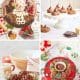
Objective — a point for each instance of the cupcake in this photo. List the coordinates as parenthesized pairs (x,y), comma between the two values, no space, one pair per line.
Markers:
(55,12)
(49,10)
(63,10)
(70,10)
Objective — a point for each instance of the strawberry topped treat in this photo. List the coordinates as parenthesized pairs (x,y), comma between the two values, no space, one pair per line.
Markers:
(26,32)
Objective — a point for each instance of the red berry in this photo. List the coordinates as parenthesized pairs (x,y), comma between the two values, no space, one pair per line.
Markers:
(6,59)
(31,10)
(46,44)
(42,49)
(49,45)
(1,31)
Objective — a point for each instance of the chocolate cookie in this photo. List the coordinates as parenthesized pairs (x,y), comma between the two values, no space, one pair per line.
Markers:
(70,34)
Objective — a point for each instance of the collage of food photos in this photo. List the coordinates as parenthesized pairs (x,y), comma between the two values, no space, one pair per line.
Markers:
(39,39)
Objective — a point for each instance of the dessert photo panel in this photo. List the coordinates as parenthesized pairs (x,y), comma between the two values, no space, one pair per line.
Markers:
(60,60)
(20,61)
(60,19)
(19,19)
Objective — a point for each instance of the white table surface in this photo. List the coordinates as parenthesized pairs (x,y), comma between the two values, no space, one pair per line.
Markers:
(67,23)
